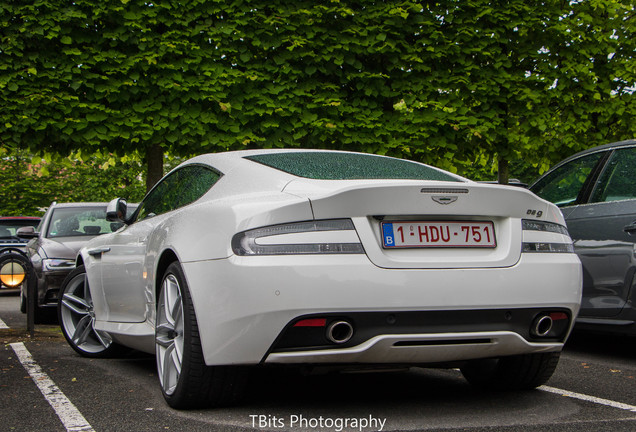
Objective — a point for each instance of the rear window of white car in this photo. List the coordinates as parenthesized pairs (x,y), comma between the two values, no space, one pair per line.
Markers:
(349,166)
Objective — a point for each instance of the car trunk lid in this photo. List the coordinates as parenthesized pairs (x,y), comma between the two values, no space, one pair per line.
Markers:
(445,216)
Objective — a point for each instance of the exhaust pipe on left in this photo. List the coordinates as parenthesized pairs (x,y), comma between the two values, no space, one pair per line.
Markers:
(339,332)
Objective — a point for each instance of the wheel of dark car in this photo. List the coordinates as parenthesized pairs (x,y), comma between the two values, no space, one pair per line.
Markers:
(521,372)
(186,382)
(77,318)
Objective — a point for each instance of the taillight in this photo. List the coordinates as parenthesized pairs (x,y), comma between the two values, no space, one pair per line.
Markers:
(334,236)
(557,239)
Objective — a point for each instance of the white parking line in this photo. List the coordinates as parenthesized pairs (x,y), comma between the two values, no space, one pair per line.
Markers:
(588,398)
(3,325)
(70,416)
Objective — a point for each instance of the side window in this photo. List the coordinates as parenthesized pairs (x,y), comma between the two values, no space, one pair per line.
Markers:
(179,188)
(154,203)
(563,185)
(194,182)
(618,180)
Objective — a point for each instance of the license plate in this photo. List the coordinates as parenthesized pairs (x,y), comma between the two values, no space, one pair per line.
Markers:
(459,234)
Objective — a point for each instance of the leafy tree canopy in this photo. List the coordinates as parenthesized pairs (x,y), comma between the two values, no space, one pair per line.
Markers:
(31,183)
(455,83)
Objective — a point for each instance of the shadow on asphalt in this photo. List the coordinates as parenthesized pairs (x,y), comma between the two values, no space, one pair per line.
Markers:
(618,346)
(277,387)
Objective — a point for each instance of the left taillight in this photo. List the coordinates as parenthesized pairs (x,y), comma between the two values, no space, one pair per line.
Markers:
(333,236)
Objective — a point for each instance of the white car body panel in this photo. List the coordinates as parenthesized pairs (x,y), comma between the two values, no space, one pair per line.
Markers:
(249,300)
(242,303)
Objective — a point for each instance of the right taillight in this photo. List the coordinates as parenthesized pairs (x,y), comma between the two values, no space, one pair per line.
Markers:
(549,237)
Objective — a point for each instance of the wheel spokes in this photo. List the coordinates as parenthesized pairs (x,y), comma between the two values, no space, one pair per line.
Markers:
(82,330)
(102,337)
(169,334)
(170,373)
(172,299)
(163,333)
(87,291)
(177,357)
(76,304)
(78,318)
(175,312)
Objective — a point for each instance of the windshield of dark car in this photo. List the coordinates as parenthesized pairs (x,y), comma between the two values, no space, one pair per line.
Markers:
(8,227)
(79,221)
(349,166)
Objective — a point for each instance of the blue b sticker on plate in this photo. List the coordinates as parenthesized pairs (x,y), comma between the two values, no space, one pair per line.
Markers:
(387,233)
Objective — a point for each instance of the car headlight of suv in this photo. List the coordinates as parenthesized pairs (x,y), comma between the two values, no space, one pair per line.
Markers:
(55,264)
(335,236)
(557,237)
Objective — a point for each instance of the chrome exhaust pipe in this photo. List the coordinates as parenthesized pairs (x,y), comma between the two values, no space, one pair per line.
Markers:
(339,332)
(541,326)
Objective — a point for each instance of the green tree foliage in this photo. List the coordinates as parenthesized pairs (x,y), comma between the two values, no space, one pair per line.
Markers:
(462,84)
(30,183)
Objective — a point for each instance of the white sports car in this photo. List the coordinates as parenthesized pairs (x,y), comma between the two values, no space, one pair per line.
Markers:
(325,258)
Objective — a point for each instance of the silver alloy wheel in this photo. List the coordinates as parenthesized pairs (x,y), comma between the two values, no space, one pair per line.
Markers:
(169,334)
(78,317)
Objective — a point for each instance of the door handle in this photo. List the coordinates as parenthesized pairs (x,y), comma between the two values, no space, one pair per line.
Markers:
(98,251)
(630,229)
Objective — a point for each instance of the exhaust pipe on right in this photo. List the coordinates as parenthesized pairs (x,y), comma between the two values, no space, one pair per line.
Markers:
(339,332)
(541,326)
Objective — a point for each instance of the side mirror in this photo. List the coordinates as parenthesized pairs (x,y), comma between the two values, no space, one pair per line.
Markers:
(116,210)
(27,232)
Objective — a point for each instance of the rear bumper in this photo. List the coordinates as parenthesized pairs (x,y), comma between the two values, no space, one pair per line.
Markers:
(421,349)
(243,304)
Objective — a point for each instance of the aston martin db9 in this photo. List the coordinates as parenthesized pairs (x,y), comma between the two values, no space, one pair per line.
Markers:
(323,258)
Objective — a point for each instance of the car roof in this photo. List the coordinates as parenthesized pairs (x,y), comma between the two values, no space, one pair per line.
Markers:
(19,218)
(79,204)
(237,157)
(604,147)
(226,161)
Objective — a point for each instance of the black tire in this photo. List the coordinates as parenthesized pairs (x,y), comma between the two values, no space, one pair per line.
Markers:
(197,385)
(76,318)
(521,372)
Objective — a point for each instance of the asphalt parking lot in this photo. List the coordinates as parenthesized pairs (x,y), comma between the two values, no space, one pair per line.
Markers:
(46,386)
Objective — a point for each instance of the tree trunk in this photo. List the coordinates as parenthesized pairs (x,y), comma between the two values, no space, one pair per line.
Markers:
(503,171)
(154,165)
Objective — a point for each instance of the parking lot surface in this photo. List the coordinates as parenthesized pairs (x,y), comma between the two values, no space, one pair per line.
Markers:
(46,386)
